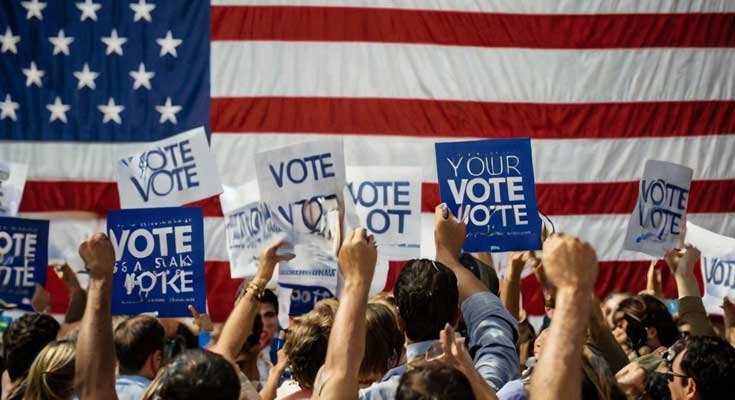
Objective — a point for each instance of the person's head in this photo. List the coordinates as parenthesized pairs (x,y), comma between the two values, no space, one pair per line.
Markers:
(193,375)
(306,342)
(24,339)
(269,314)
(427,297)
(434,381)
(51,376)
(139,346)
(652,315)
(701,368)
(610,304)
(383,344)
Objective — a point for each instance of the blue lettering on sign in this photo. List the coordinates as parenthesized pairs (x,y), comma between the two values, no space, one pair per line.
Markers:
(23,258)
(165,169)
(304,298)
(298,170)
(660,210)
(719,272)
(382,194)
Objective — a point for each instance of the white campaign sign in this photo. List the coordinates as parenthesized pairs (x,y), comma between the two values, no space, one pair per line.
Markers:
(170,172)
(655,225)
(12,181)
(718,265)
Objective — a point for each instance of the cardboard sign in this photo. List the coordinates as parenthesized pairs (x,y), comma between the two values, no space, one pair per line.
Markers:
(23,259)
(12,181)
(159,261)
(492,182)
(388,202)
(718,266)
(170,172)
(655,225)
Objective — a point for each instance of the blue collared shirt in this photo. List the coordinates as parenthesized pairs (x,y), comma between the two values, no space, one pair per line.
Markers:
(492,334)
(131,387)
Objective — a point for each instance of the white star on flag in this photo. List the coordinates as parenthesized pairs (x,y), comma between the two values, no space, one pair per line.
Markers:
(33,75)
(34,8)
(61,43)
(89,10)
(58,110)
(142,10)
(142,77)
(7,108)
(168,44)
(114,43)
(86,77)
(111,111)
(9,41)
(168,111)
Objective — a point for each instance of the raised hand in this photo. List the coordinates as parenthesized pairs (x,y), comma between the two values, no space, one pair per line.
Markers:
(449,232)
(681,261)
(41,300)
(569,262)
(67,276)
(98,255)
(358,256)
(270,258)
(203,321)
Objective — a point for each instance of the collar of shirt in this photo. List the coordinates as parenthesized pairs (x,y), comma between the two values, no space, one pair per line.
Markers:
(133,379)
(414,350)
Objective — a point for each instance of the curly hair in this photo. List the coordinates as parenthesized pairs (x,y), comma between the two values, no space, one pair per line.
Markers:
(710,361)
(434,381)
(306,342)
(24,339)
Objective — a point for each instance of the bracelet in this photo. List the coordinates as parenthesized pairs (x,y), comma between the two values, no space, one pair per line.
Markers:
(256,289)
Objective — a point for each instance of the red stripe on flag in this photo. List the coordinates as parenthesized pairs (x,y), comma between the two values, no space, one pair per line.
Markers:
(710,196)
(707,196)
(457,28)
(426,118)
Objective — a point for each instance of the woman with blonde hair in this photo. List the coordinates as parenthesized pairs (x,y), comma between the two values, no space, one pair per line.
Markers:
(51,376)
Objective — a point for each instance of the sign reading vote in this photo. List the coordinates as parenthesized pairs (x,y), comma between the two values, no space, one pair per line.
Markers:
(492,182)
(159,260)
(12,181)
(23,258)
(388,202)
(171,172)
(718,265)
(303,182)
(655,226)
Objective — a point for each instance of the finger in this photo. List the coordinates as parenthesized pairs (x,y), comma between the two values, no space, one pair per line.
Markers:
(99,236)
(360,235)
(371,241)
(442,211)
(194,311)
(285,257)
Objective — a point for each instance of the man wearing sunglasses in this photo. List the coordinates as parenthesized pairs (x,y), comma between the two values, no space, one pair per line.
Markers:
(700,368)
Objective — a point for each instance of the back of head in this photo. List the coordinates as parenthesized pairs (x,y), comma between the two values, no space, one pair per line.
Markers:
(652,313)
(427,296)
(710,361)
(51,376)
(136,338)
(24,339)
(306,342)
(194,375)
(383,344)
(434,381)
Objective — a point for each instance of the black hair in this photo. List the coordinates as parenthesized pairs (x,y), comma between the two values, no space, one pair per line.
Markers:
(434,381)
(270,297)
(710,361)
(196,374)
(24,339)
(652,313)
(427,297)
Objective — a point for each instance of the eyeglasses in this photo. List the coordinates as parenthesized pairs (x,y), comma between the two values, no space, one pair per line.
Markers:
(671,375)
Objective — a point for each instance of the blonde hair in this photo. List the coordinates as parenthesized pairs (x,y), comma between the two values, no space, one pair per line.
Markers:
(51,376)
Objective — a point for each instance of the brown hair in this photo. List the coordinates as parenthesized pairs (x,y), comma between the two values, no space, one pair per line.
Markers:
(306,342)
(136,338)
(383,344)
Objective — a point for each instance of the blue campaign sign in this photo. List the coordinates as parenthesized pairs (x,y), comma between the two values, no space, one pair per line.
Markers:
(304,298)
(23,259)
(492,182)
(159,260)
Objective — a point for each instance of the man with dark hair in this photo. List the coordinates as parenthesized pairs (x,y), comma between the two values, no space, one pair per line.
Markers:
(429,295)
(434,380)
(701,368)
(138,346)
(194,374)
(22,342)
(268,311)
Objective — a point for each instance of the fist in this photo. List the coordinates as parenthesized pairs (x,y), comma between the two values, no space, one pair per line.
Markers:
(569,262)
(358,256)
(67,275)
(449,231)
(98,256)
(681,261)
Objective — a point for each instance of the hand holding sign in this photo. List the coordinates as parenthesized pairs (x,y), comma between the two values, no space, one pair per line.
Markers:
(270,258)
(357,257)
(203,321)
(569,263)
(449,232)
(99,256)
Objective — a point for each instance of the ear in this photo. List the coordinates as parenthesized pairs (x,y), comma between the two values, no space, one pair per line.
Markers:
(690,390)
(156,359)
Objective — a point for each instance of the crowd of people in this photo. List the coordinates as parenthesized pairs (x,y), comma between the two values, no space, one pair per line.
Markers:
(451,329)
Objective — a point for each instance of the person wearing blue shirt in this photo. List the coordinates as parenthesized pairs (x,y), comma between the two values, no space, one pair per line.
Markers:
(139,348)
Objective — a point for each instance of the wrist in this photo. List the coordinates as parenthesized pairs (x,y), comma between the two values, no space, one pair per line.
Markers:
(443,253)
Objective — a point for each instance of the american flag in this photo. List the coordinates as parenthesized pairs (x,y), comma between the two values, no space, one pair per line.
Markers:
(600,86)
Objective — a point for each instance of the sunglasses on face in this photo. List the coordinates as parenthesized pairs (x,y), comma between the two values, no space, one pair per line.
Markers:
(671,375)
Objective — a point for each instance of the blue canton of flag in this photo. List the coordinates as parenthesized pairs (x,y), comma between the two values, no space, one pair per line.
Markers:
(105,71)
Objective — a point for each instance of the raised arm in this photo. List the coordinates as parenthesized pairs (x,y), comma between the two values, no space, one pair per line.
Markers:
(691,309)
(95,359)
(240,322)
(78,297)
(510,293)
(339,375)
(571,266)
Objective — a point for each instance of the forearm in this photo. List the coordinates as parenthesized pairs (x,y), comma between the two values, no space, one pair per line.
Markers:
(237,327)
(346,344)
(77,304)
(686,285)
(480,388)
(271,386)
(467,282)
(692,311)
(510,295)
(558,374)
(95,358)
